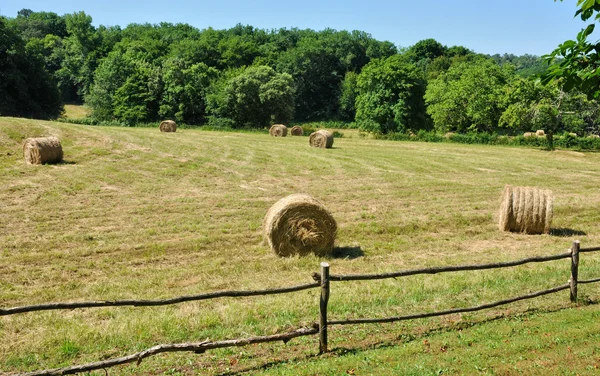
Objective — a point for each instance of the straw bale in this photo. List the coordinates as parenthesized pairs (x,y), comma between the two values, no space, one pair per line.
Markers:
(528,134)
(321,139)
(540,133)
(278,130)
(299,225)
(168,126)
(42,150)
(526,209)
(297,131)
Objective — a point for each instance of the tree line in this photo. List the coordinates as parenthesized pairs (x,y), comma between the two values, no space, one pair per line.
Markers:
(249,77)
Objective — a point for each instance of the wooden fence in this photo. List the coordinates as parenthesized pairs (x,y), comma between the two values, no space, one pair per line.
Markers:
(322,281)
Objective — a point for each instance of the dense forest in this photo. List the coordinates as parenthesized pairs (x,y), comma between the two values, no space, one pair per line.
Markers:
(251,78)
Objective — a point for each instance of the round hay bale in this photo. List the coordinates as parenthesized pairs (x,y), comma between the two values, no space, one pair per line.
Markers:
(278,130)
(540,133)
(42,150)
(298,225)
(321,139)
(528,134)
(297,131)
(526,209)
(168,126)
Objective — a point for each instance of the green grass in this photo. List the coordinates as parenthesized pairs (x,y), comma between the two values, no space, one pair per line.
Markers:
(135,213)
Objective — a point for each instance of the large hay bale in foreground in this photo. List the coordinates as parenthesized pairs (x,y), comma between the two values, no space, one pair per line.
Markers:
(526,209)
(278,130)
(168,126)
(297,131)
(321,139)
(298,225)
(42,150)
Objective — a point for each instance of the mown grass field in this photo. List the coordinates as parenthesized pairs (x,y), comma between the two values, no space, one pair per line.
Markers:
(134,213)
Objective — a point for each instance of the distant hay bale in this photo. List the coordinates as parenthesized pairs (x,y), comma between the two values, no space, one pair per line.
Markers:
(298,225)
(526,209)
(540,133)
(278,130)
(449,135)
(168,126)
(297,131)
(321,139)
(594,136)
(42,150)
(528,134)
(572,134)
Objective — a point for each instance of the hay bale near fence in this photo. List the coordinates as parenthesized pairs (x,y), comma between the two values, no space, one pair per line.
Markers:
(526,209)
(321,139)
(299,225)
(278,130)
(297,131)
(42,150)
(168,126)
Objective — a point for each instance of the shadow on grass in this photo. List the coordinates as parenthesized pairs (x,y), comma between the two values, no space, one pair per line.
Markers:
(392,339)
(566,232)
(347,253)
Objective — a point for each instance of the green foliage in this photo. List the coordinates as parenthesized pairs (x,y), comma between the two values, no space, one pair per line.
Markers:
(580,57)
(348,96)
(565,140)
(111,74)
(184,90)
(525,65)
(426,49)
(36,25)
(468,97)
(26,89)
(390,96)
(136,101)
(256,97)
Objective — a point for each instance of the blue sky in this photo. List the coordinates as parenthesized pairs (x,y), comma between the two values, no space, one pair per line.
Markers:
(485,26)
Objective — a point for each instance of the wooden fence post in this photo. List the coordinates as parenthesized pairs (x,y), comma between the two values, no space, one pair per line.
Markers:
(574,270)
(323,307)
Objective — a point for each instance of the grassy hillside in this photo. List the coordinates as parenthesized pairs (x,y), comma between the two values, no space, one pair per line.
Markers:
(134,213)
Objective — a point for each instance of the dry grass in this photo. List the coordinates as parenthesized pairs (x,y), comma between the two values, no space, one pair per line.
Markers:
(73,111)
(100,226)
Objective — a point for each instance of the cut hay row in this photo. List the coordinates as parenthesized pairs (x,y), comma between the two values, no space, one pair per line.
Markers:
(526,209)
(278,130)
(168,126)
(299,225)
(42,150)
(321,139)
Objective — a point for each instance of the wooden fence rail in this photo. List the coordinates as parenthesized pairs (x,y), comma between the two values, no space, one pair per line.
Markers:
(323,281)
(148,303)
(196,347)
(445,269)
